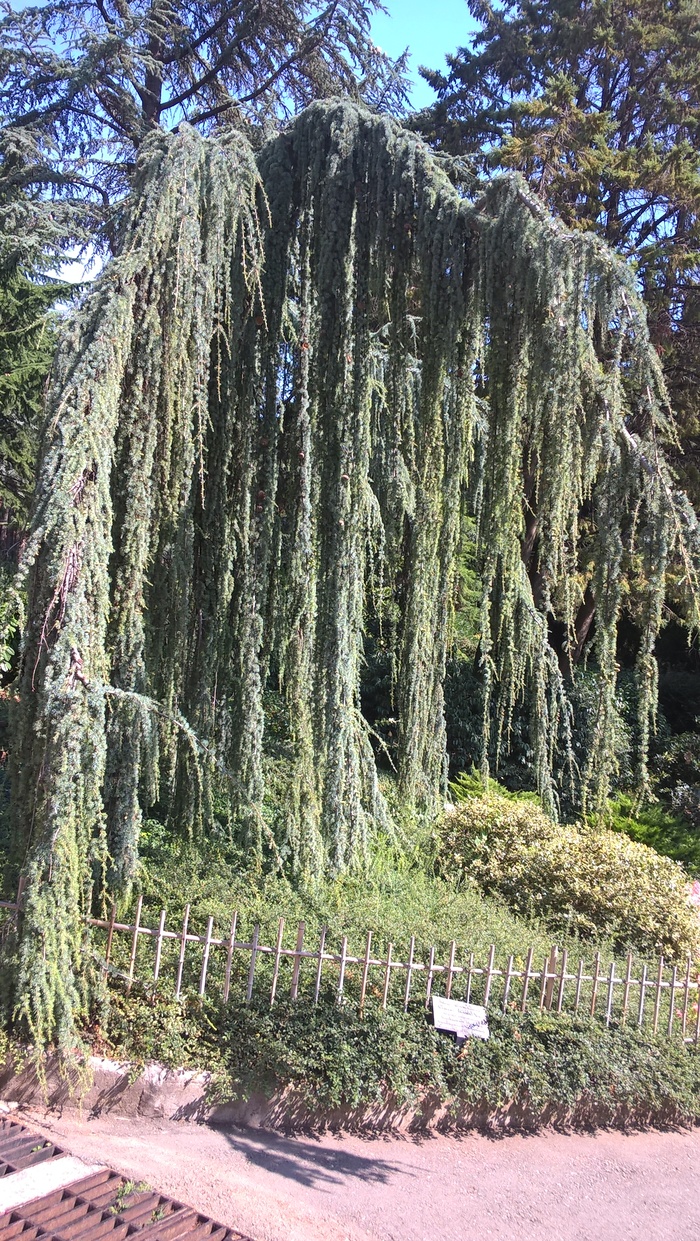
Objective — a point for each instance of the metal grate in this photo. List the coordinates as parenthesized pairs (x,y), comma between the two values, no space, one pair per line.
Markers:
(105,1206)
(21,1149)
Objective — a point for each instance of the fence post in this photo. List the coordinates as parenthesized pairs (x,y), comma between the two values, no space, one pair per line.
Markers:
(628,983)
(205,959)
(489,975)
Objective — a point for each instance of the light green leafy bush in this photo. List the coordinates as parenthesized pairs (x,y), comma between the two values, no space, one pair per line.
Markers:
(587,880)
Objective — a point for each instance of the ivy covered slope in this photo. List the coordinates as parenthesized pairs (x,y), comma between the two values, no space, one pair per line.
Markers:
(265,427)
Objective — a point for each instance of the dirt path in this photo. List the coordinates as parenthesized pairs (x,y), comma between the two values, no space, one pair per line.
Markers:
(553,1187)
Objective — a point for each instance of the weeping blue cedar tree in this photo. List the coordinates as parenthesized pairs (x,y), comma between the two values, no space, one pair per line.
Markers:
(267,423)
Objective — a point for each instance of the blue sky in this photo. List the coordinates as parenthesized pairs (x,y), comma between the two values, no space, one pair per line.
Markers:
(430,28)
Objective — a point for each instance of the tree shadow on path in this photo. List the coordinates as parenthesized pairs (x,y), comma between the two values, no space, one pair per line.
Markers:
(310,1163)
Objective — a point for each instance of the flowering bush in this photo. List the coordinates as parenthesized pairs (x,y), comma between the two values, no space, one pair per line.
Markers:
(588,880)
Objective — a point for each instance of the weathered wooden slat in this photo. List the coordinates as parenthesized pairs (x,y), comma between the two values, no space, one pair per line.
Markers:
(278,955)
(343,963)
(489,975)
(298,954)
(159,946)
(205,959)
(562,980)
(409,971)
(253,958)
(451,969)
(506,985)
(628,984)
(672,1000)
(134,943)
(431,971)
(181,958)
(229,957)
(319,967)
(642,995)
(387,975)
(657,995)
(526,978)
(365,969)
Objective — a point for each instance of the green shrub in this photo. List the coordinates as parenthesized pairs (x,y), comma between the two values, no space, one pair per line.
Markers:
(658,827)
(591,881)
(334,1056)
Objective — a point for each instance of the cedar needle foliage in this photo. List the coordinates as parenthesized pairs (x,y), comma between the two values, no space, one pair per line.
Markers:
(267,423)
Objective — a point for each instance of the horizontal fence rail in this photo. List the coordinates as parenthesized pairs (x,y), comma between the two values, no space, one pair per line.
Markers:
(662,997)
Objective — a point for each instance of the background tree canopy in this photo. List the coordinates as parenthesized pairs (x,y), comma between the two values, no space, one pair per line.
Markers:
(83,82)
(597,104)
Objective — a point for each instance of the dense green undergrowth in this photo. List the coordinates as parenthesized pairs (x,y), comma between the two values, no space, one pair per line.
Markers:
(334,1056)
(397,895)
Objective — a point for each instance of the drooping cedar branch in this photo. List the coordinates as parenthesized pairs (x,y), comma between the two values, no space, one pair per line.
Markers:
(263,429)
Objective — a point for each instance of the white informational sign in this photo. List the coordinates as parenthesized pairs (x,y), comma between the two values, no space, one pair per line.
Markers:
(455,1017)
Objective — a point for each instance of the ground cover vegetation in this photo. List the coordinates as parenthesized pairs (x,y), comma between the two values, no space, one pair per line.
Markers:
(333,1056)
(357,466)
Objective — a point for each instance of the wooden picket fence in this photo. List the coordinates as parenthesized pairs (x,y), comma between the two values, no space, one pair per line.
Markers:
(662,997)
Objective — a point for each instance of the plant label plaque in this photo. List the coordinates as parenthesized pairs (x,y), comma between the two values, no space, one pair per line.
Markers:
(456,1017)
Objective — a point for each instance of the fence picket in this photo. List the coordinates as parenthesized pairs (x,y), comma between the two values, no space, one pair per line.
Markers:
(253,958)
(562,980)
(181,958)
(686,996)
(642,996)
(205,958)
(431,971)
(319,967)
(506,985)
(278,956)
(365,969)
(596,980)
(451,969)
(409,971)
(294,989)
(672,1000)
(579,984)
(229,956)
(134,943)
(611,992)
(387,975)
(526,978)
(343,961)
(489,975)
(626,992)
(470,971)
(159,946)
(110,932)
(657,997)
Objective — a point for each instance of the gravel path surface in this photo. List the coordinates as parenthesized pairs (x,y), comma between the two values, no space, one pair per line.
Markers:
(551,1187)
